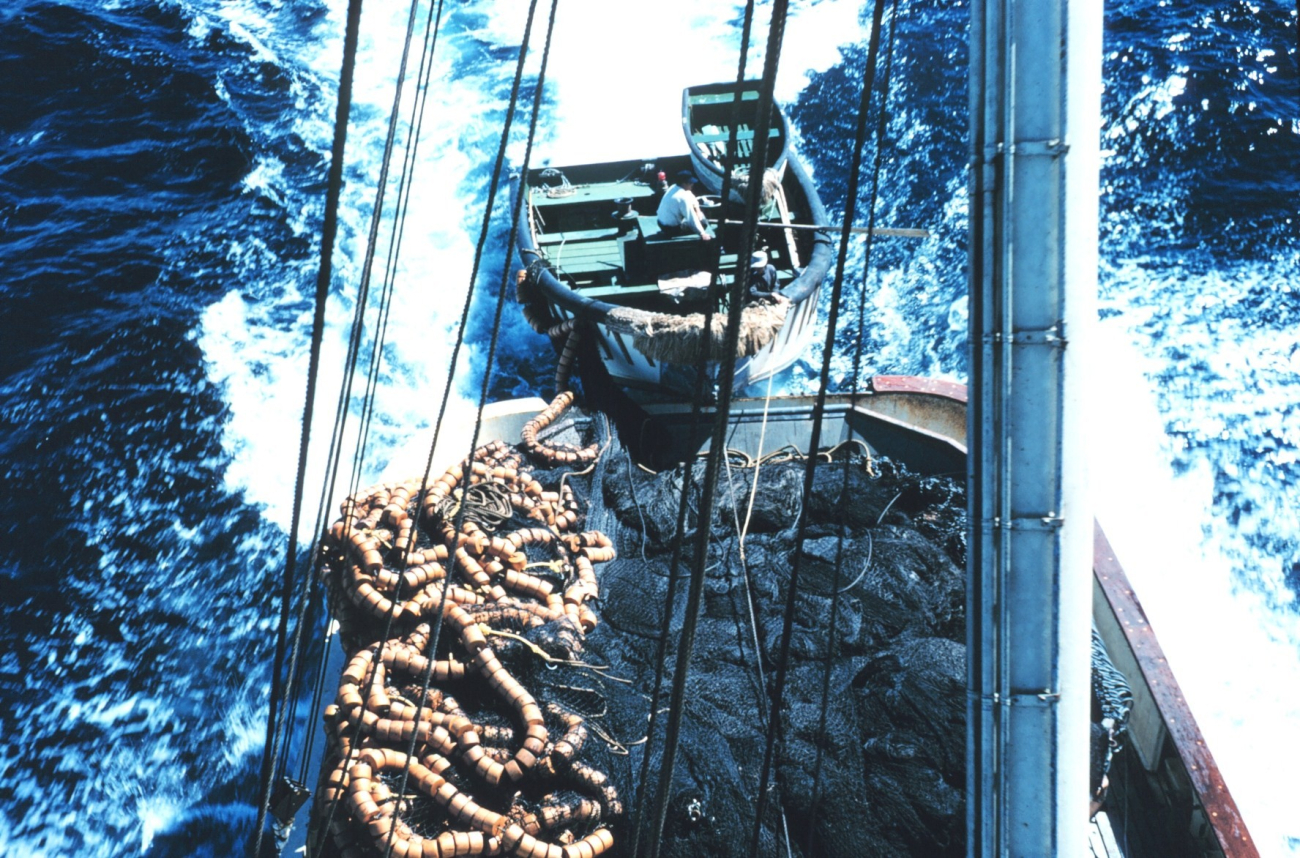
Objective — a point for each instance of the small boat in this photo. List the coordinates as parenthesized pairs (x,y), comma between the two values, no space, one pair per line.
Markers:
(597,265)
(708,115)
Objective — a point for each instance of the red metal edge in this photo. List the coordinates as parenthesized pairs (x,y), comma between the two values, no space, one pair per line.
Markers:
(915,384)
(1206,779)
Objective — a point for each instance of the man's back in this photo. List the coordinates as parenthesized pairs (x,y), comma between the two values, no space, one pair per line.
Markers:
(675,208)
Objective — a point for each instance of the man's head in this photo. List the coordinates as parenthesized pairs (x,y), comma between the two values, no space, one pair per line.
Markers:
(758,259)
(686,178)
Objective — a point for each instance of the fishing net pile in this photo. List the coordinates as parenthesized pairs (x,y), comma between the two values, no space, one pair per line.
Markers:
(447,735)
(524,730)
(510,736)
(871,757)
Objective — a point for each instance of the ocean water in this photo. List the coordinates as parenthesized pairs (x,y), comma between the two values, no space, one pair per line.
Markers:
(162,168)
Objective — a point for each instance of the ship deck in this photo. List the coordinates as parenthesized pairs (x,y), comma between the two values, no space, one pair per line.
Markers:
(1102,842)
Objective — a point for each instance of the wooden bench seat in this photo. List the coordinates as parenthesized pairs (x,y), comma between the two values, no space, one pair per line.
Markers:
(591,194)
(574,235)
(744,134)
(592,256)
(606,292)
(724,97)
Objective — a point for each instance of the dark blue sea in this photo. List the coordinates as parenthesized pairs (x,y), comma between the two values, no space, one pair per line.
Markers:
(162,181)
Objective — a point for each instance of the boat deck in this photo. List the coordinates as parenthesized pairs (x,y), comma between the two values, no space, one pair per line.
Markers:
(620,263)
(1101,838)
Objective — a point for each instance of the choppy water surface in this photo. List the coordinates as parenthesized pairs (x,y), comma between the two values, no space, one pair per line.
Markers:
(161,184)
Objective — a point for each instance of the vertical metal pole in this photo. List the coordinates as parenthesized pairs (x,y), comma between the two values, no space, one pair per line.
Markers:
(1035,100)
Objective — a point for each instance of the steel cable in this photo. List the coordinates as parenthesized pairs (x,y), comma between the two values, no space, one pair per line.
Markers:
(726,376)
(328,231)
(820,743)
(814,442)
(460,337)
(496,330)
(430,43)
(701,366)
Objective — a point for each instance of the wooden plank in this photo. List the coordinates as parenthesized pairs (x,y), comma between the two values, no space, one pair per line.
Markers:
(1211,792)
(578,267)
(1101,824)
(576,235)
(723,97)
(618,291)
(585,249)
(723,136)
(575,253)
(1146,726)
(603,192)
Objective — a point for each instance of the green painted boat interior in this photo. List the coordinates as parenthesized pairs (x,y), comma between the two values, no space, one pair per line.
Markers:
(710,114)
(614,252)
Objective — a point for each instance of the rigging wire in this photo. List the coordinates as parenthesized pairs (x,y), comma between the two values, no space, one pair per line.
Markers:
(726,375)
(837,591)
(451,371)
(741,532)
(487,369)
(430,41)
(688,472)
(328,231)
(340,419)
(354,350)
(819,409)
(426,64)
(398,232)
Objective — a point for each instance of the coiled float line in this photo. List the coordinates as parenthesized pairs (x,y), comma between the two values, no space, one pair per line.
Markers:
(565,454)
(471,777)
(565,335)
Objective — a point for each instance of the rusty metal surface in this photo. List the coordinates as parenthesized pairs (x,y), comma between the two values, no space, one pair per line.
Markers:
(896,433)
(1186,735)
(933,406)
(914,384)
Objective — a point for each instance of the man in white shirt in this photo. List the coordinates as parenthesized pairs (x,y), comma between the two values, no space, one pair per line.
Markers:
(679,212)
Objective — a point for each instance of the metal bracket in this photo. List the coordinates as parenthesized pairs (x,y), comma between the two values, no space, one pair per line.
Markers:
(1021,697)
(1053,336)
(1053,148)
(1039,523)
(1044,698)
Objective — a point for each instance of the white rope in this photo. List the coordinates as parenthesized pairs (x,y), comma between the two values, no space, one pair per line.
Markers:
(758,464)
(744,568)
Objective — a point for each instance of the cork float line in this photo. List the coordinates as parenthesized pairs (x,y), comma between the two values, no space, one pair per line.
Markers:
(409,556)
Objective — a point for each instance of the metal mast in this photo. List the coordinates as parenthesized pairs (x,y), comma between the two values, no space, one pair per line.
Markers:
(1035,103)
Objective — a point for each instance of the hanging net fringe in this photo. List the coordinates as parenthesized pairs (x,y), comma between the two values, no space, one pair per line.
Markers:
(676,339)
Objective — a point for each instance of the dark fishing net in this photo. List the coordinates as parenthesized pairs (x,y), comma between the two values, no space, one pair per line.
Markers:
(890,776)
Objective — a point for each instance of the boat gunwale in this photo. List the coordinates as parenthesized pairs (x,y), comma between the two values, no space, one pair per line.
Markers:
(1208,786)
